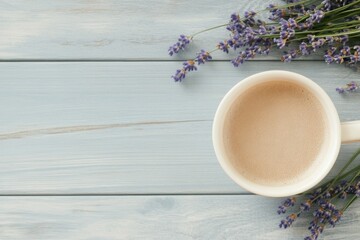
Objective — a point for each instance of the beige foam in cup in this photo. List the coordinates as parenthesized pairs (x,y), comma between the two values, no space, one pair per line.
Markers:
(274,132)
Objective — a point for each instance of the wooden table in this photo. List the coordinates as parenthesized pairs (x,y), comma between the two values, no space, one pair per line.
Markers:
(96,140)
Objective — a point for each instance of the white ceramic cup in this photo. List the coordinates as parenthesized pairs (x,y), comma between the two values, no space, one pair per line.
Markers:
(337,133)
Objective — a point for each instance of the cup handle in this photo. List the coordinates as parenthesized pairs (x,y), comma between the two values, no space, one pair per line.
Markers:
(350,132)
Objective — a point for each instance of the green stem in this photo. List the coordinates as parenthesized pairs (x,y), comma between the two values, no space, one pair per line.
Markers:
(354,177)
(329,29)
(349,203)
(343,7)
(219,26)
(343,23)
(352,10)
(339,34)
(353,157)
(282,7)
(292,4)
(214,50)
(342,176)
(208,29)
(354,36)
(346,186)
(343,16)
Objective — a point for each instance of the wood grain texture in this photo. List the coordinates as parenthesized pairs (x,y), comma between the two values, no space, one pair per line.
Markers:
(97,29)
(122,127)
(156,217)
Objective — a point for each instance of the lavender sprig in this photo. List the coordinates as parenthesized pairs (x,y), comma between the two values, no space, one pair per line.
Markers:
(179,45)
(349,87)
(190,65)
(298,27)
(345,186)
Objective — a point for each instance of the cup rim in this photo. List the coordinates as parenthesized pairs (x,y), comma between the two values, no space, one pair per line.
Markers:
(293,188)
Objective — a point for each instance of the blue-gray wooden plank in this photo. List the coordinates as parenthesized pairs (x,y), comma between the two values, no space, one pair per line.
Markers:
(126,127)
(131,29)
(157,217)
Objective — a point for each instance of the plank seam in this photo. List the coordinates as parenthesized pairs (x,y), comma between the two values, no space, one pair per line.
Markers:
(138,60)
(124,194)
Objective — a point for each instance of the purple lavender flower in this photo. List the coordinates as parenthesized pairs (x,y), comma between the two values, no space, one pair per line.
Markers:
(327,4)
(311,38)
(354,58)
(250,53)
(350,189)
(272,29)
(267,43)
(357,192)
(340,187)
(309,238)
(285,223)
(292,23)
(336,216)
(318,43)
(224,46)
(330,40)
(305,206)
(343,39)
(327,194)
(275,12)
(315,231)
(287,24)
(338,59)
(352,86)
(189,66)
(319,212)
(256,49)
(179,45)
(181,73)
(313,224)
(249,14)
(271,6)
(329,55)
(304,49)
(302,26)
(289,202)
(326,205)
(316,17)
(326,212)
(340,90)
(235,24)
(249,17)
(315,194)
(289,56)
(343,195)
(203,57)
(234,17)
(262,30)
(236,41)
(249,34)
(280,42)
(239,59)
(345,51)
(328,59)
(288,33)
